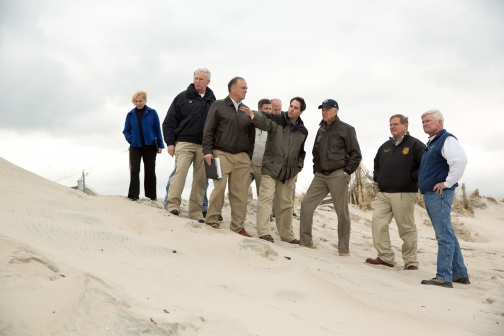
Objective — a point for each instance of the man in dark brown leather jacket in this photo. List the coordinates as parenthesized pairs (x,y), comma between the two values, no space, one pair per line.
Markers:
(229,135)
(336,155)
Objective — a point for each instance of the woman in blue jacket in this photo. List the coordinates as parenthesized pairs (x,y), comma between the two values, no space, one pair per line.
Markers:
(142,130)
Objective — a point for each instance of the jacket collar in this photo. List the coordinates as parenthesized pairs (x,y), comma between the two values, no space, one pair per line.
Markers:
(228,101)
(147,109)
(299,120)
(436,137)
(403,138)
(192,93)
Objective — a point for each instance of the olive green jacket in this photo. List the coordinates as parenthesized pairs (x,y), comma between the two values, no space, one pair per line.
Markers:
(284,154)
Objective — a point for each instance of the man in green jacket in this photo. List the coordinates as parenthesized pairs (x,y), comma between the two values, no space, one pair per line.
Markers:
(283,160)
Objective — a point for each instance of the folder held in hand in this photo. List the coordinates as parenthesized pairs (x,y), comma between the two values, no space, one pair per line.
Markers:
(213,171)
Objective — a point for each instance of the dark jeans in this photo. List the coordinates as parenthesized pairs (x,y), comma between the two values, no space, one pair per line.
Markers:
(148,153)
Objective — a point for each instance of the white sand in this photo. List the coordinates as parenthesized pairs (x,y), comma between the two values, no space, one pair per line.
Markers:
(72,264)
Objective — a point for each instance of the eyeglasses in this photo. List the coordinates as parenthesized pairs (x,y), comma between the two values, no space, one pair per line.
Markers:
(395,125)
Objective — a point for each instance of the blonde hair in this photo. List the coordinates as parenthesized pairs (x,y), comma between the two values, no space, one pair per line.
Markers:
(140,93)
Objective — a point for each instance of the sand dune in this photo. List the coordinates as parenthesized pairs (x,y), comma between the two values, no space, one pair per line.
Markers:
(83,265)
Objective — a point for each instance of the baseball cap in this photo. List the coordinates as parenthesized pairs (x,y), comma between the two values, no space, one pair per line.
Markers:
(329,103)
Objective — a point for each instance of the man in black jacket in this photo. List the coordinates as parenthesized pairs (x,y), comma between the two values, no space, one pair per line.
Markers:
(229,135)
(396,167)
(336,155)
(183,133)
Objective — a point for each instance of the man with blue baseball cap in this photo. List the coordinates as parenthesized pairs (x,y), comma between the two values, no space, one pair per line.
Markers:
(336,155)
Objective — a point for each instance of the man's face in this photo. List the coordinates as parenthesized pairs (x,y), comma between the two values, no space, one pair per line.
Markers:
(329,114)
(239,90)
(294,110)
(430,125)
(397,129)
(139,102)
(276,107)
(200,82)
(266,108)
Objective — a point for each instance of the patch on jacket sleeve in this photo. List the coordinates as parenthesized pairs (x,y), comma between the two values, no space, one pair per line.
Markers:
(387,150)
(405,150)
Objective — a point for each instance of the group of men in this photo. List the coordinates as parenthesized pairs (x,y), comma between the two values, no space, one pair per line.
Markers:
(268,146)
(402,166)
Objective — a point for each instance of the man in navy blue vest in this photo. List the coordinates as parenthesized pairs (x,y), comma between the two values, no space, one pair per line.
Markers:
(442,166)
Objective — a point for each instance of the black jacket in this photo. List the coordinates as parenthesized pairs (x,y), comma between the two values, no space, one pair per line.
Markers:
(336,147)
(396,167)
(186,116)
(228,130)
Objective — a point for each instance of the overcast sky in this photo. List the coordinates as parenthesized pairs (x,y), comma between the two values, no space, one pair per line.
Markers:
(68,70)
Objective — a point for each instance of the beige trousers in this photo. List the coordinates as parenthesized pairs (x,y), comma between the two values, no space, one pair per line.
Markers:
(185,153)
(283,199)
(293,198)
(336,184)
(255,174)
(234,168)
(401,206)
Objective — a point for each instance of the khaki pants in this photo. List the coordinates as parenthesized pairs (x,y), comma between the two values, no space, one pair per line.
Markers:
(336,184)
(234,167)
(283,198)
(293,198)
(255,174)
(185,153)
(401,206)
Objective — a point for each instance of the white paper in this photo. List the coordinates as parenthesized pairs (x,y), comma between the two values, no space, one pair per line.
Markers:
(217,164)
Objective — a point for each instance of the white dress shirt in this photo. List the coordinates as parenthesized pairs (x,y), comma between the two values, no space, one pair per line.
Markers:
(456,158)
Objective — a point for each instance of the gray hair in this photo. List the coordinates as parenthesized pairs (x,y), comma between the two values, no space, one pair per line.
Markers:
(205,71)
(276,99)
(436,114)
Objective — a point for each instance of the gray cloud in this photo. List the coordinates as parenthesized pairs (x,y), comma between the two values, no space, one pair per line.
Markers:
(69,69)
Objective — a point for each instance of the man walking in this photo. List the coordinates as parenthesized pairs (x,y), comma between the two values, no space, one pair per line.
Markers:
(183,132)
(336,155)
(229,135)
(396,171)
(442,166)
(283,160)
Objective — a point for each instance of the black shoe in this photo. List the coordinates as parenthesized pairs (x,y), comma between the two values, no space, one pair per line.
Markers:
(220,218)
(174,212)
(134,199)
(201,221)
(203,213)
(462,280)
(268,238)
(294,214)
(153,199)
(437,282)
(295,241)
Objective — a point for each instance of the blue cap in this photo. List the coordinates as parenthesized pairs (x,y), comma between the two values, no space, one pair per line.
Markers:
(329,103)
